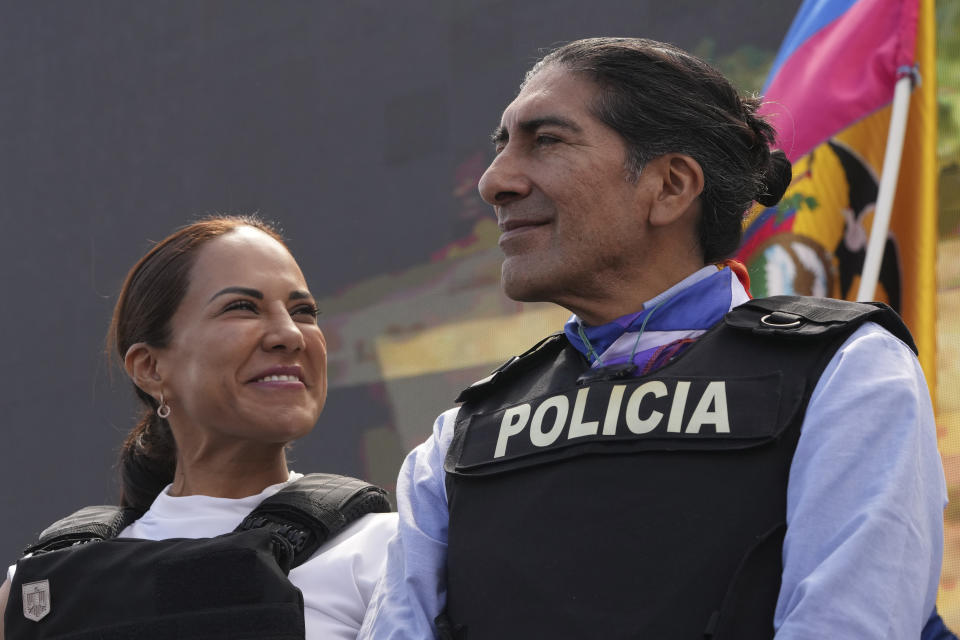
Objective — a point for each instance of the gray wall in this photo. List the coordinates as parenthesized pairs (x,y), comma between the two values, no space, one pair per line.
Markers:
(351,123)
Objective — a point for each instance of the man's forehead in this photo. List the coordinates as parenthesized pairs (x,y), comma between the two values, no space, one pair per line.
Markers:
(553,93)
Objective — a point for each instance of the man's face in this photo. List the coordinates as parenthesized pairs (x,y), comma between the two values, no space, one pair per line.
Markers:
(571,220)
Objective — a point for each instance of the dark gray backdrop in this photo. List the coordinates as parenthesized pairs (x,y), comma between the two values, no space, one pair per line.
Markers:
(345,121)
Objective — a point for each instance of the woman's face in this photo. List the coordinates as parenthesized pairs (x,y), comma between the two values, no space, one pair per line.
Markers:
(246,359)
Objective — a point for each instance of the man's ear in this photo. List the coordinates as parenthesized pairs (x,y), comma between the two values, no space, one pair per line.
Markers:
(140,361)
(679,183)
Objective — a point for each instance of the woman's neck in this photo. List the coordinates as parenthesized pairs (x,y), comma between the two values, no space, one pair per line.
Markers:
(230,472)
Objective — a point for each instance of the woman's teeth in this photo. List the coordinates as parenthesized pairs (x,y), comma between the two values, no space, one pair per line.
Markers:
(279,379)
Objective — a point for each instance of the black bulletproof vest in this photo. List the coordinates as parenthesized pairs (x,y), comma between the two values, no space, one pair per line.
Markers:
(585,505)
(83,583)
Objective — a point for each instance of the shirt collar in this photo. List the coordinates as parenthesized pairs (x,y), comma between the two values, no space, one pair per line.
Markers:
(695,303)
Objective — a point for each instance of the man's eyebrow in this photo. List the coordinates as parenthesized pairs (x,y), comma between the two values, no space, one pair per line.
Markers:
(530,126)
(246,291)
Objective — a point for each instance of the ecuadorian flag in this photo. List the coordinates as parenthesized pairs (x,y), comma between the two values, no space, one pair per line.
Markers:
(829,95)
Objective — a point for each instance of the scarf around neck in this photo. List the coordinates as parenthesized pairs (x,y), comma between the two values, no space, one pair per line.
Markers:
(664,326)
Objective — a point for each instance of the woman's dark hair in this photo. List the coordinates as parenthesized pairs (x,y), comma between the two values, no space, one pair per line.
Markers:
(661,99)
(150,296)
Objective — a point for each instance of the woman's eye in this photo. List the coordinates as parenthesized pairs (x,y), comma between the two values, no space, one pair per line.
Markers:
(240,305)
(310,311)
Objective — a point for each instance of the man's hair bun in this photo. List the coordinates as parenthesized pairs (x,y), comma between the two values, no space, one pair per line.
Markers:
(777,179)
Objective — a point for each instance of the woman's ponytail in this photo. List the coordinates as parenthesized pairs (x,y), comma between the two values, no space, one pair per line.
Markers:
(147,463)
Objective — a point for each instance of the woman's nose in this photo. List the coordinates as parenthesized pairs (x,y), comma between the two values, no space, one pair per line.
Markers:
(282,332)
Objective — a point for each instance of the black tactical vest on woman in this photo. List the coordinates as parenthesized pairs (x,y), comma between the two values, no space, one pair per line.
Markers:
(584,506)
(81,582)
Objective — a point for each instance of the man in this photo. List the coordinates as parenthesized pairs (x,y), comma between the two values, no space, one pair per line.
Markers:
(664,469)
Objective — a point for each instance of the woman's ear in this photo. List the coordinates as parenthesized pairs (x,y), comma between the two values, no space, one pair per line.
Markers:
(679,180)
(140,362)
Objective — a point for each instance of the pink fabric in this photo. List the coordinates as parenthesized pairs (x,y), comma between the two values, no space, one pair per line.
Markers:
(841,74)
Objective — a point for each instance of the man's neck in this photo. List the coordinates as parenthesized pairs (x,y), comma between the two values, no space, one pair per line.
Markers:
(608,308)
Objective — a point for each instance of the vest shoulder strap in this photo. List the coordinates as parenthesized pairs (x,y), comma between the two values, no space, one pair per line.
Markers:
(309,511)
(803,317)
(305,514)
(549,347)
(89,524)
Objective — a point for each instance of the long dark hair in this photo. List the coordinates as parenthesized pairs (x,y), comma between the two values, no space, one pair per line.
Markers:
(661,99)
(151,294)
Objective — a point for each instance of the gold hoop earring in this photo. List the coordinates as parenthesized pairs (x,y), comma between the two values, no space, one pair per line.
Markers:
(163,411)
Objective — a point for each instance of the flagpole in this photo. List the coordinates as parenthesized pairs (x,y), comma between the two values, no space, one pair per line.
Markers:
(888,187)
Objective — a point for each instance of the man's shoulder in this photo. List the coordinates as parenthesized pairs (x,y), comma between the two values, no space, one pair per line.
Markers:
(877,341)
(547,347)
(799,317)
(443,427)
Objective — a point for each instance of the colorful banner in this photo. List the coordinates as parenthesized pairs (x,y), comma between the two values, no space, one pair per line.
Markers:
(829,96)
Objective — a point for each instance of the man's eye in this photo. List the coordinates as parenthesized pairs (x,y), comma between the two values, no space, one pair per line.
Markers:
(545,140)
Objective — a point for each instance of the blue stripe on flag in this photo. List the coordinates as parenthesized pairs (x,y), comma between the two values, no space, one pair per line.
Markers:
(812,16)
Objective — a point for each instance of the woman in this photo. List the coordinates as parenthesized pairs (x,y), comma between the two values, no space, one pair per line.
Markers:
(218,332)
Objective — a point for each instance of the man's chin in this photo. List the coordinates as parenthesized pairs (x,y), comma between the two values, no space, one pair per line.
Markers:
(523,285)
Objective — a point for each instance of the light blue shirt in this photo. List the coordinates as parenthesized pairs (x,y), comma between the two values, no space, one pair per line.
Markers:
(865,499)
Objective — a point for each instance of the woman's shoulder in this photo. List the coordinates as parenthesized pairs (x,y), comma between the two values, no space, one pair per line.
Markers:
(360,547)
(338,580)
(377,525)
(366,534)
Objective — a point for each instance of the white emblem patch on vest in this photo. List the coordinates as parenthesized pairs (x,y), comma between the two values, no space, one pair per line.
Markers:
(36,600)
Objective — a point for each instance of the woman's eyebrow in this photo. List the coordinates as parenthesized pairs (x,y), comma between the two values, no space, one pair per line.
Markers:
(253,293)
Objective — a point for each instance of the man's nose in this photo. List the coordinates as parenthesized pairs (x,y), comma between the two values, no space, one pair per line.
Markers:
(505,180)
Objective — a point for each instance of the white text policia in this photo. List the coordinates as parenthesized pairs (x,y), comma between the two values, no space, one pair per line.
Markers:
(711,409)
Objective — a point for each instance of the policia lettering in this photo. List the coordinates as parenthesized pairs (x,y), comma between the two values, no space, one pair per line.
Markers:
(710,409)
(689,411)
